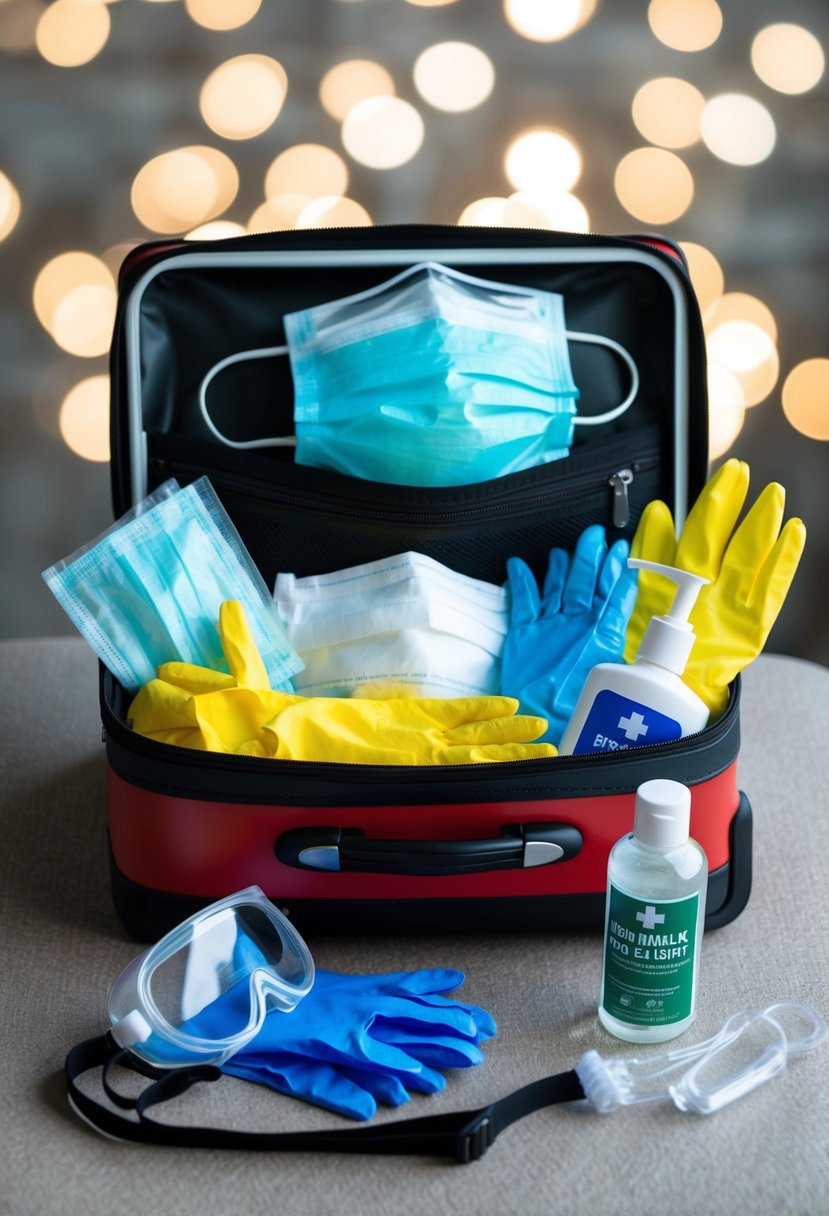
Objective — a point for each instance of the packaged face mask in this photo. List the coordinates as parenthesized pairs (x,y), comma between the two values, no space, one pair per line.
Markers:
(402,626)
(434,378)
(148,590)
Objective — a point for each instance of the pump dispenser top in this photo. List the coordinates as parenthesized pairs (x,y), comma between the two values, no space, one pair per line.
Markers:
(647,702)
(669,639)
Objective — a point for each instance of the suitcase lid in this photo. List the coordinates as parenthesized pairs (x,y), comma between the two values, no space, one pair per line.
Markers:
(185,305)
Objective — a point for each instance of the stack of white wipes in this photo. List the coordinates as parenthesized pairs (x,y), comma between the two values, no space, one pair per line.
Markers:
(405,626)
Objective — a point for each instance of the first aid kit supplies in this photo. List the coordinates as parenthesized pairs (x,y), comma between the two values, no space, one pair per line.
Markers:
(148,589)
(404,626)
(656,885)
(433,378)
(194,707)
(646,702)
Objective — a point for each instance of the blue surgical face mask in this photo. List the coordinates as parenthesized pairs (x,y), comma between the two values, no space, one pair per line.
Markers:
(149,589)
(432,378)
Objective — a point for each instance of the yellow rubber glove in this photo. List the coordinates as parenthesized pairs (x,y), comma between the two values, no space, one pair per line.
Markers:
(195,707)
(410,730)
(749,569)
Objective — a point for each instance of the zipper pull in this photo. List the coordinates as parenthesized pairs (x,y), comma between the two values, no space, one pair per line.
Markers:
(619,483)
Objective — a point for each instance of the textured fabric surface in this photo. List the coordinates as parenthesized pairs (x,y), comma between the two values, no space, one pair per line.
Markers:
(61,947)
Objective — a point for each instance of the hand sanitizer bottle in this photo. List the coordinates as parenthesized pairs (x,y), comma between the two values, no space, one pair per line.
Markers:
(644,702)
(657,880)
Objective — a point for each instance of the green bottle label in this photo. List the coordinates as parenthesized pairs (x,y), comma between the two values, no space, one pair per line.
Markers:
(649,959)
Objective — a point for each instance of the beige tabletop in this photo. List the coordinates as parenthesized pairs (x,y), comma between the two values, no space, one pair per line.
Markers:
(62,947)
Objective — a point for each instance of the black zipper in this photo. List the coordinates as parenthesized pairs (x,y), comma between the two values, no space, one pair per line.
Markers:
(606,480)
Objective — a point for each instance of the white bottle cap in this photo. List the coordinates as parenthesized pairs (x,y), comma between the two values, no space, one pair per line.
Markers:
(662,814)
(669,639)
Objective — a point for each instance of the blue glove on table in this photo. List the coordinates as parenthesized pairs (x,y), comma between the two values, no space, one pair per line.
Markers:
(355,1040)
(557,636)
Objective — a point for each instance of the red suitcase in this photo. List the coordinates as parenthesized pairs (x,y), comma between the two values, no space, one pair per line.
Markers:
(518,845)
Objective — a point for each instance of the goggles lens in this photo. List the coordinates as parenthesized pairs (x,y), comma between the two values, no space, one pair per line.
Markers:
(240,949)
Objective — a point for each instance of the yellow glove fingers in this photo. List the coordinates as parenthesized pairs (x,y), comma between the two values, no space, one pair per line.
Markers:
(751,545)
(772,584)
(655,541)
(195,680)
(243,657)
(711,520)
(655,537)
(517,728)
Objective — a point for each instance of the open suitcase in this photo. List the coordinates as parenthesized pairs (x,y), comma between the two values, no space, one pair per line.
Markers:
(520,845)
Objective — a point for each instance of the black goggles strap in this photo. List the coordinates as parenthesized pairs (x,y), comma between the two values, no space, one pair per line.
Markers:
(462,1135)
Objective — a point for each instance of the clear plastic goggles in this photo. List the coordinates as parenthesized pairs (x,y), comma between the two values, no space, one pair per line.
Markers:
(241,949)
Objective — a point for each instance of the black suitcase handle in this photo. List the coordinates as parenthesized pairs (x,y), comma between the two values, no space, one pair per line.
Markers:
(518,847)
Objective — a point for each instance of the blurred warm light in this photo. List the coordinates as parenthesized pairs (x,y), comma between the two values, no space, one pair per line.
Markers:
(483,212)
(738,129)
(222,14)
(113,258)
(740,306)
(311,169)
(242,97)
(333,212)
(9,206)
(18,25)
(667,111)
(215,230)
(82,321)
(64,274)
(71,32)
(543,21)
(787,58)
(351,81)
(560,212)
(685,25)
(543,160)
(758,382)
(726,410)
(182,188)
(654,185)
(707,278)
(430,3)
(382,132)
(84,419)
(454,76)
(278,213)
(739,346)
(806,398)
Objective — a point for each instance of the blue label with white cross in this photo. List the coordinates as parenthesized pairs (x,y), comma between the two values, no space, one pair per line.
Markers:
(615,722)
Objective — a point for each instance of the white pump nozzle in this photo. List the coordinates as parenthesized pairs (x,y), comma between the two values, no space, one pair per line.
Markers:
(669,639)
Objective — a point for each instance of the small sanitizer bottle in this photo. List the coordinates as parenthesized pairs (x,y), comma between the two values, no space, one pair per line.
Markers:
(657,879)
(630,705)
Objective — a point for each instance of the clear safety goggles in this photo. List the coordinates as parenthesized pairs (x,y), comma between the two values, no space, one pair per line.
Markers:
(241,947)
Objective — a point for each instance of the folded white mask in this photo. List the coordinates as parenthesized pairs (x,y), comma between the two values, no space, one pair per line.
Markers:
(401,626)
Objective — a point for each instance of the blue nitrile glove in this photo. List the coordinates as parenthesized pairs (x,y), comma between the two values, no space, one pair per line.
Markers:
(557,637)
(355,1040)
(354,1092)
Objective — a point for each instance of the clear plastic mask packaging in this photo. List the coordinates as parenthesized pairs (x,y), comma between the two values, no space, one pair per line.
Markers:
(148,589)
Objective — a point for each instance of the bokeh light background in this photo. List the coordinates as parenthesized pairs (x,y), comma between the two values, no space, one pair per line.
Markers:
(127,121)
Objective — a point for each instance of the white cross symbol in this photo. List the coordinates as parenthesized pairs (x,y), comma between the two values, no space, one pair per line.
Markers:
(650,918)
(633,727)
